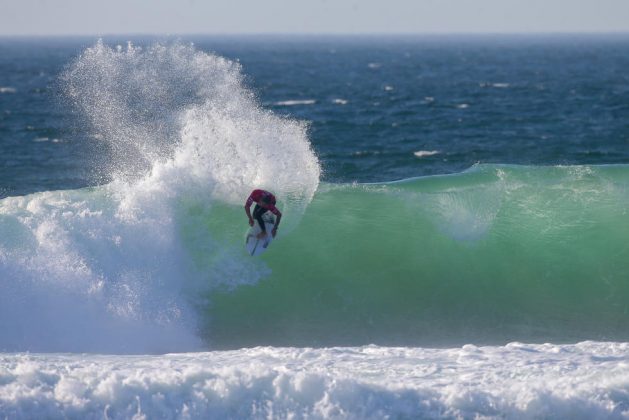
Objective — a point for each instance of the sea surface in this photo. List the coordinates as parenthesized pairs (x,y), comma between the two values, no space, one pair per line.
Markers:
(454,240)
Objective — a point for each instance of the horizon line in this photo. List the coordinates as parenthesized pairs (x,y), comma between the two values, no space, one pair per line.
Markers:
(314,34)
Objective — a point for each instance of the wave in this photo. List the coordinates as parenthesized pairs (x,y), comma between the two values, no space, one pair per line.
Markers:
(488,256)
(104,269)
(425,153)
(296,102)
(495,254)
(154,261)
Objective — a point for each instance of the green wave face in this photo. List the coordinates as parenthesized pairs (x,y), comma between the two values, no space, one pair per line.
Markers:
(492,255)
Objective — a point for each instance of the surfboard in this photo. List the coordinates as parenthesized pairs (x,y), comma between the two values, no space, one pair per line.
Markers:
(257,246)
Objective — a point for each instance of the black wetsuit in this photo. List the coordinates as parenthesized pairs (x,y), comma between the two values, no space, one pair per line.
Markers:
(258,211)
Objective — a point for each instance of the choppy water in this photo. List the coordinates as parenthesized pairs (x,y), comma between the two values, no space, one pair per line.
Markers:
(379,109)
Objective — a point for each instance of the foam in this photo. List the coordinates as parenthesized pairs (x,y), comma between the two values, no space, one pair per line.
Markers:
(424,153)
(585,380)
(296,102)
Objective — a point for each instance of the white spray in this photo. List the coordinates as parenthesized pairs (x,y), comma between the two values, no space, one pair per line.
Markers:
(104,269)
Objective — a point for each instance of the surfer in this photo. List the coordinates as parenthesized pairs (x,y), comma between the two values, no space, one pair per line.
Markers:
(265,201)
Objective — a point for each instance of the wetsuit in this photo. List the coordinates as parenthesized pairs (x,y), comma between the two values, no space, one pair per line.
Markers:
(265,201)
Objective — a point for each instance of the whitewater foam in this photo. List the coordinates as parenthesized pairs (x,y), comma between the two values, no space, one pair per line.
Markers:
(586,380)
(424,153)
(296,102)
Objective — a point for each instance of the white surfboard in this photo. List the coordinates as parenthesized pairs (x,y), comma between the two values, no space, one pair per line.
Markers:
(257,246)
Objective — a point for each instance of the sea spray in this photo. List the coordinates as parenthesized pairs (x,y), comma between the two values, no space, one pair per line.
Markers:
(181,116)
(126,267)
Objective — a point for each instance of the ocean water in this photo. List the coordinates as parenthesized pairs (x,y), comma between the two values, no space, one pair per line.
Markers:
(453,242)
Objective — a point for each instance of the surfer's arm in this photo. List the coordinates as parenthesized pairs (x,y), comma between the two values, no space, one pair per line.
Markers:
(278,217)
(248,210)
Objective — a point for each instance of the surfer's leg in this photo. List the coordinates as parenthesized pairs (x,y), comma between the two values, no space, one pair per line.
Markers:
(257,214)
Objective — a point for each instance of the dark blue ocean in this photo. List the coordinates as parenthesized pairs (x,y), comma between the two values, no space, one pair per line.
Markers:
(378,108)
